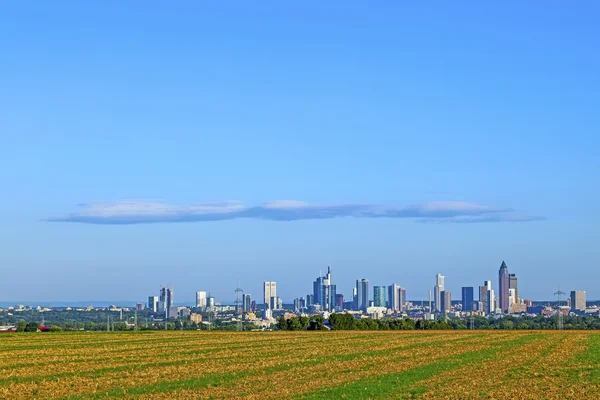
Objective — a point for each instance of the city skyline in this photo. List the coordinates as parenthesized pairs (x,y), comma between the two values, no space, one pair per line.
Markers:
(265,142)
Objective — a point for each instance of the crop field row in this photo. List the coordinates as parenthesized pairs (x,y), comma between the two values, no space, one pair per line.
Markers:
(301,365)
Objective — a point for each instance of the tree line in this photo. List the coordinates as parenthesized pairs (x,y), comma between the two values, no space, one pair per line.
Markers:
(345,321)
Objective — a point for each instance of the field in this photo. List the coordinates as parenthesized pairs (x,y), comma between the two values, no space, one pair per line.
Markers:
(402,364)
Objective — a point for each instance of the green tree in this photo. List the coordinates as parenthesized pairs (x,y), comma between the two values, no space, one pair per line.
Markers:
(21,326)
(32,327)
(282,324)
(317,323)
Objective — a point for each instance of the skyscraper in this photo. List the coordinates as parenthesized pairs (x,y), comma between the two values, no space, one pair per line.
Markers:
(437,290)
(166,297)
(514,284)
(402,298)
(503,286)
(246,302)
(153,303)
(201,299)
(467,298)
(485,294)
(379,296)
(491,301)
(269,294)
(446,301)
(310,300)
(393,302)
(324,291)
(362,294)
(578,300)
(339,301)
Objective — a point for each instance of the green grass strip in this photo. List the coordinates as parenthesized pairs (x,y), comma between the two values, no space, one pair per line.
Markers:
(405,384)
(230,378)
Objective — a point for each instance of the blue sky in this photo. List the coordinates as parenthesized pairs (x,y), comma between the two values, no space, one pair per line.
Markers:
(390,141)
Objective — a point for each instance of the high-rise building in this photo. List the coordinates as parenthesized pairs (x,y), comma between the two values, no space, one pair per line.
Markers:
(310,300)
(446,301)
(362,294)
(503,287)
(153,303)
(513,283)
(512,299)
(578,300)
(297,305)
(437,291)
(201,299)
(491,301)
(467,298)
(483,305)
(329,292)
(246,303)
(270,294)
(402,298)
(393,302)
(339,301)
(166,297)
(379,296)
(324,291)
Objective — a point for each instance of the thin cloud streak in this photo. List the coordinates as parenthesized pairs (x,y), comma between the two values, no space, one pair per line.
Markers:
(146,212)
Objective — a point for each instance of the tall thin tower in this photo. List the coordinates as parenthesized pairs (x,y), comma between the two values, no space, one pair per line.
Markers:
(238,305)
(437,290)
(503,286)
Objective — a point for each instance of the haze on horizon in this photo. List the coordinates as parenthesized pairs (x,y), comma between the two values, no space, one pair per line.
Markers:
(202,144)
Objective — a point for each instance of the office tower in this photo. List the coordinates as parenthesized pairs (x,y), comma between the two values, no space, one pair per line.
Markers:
(491,301)
(332,296)
(210,302)
(246,302)
(514,284)
(483,305)
(297,305)
(270,293)
(437,290)
(201,299)
(139,306)
(402,298)
(339,301)
(446,301)
(318,291)
(310,300)
(393,302)
(512,300)
(362,294)
(578,300)
(355,297)
(379,296)
(324,291)
(467,298)
(153,303)
(503,287)
(253,306)
(166,297)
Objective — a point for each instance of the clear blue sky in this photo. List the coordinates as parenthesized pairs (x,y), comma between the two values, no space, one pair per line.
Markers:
(392,110)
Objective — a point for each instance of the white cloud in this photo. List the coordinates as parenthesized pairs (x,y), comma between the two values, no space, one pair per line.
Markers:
(137,212)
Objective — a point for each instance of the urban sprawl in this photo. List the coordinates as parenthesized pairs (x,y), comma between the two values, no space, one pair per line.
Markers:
(386,302)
